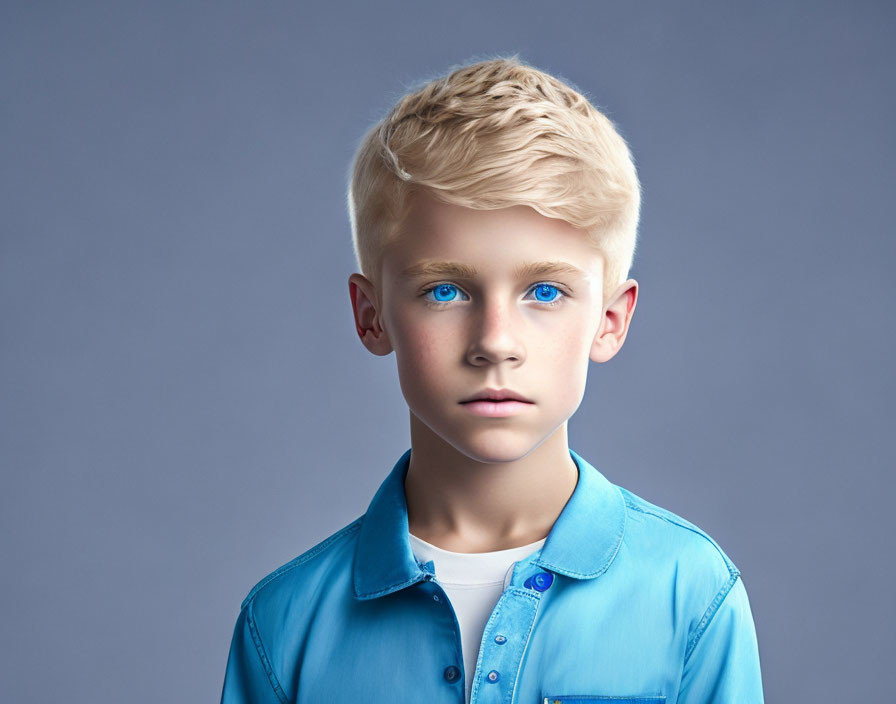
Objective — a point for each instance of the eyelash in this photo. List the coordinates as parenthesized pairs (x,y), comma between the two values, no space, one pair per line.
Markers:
(442,304)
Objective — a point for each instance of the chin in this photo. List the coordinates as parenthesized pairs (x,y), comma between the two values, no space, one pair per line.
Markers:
(495,447)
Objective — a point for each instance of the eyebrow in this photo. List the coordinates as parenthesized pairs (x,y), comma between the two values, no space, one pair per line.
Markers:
(463,271)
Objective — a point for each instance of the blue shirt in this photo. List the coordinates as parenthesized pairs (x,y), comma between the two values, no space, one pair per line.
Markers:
(625,602)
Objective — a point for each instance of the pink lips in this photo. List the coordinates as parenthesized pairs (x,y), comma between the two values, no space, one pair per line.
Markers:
(496,403)
(496,409)
(497,395)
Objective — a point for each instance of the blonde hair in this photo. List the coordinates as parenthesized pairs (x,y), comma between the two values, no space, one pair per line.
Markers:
(494,134)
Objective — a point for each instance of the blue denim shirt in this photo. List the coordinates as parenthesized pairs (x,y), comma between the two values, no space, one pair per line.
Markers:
(624,602)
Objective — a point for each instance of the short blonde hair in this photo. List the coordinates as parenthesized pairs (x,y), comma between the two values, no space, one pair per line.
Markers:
(494,134)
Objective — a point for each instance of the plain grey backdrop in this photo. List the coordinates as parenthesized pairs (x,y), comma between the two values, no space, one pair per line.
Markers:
(185,403)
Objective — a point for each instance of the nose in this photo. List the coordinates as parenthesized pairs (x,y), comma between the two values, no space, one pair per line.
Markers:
(496,335)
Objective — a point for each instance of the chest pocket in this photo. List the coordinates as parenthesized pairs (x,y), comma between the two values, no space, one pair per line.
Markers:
(595,699)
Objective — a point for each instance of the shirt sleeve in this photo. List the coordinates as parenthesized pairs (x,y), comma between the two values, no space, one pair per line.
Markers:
(249,678)
(722,664)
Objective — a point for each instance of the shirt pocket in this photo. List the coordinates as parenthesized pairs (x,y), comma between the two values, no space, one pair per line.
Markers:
(595,698)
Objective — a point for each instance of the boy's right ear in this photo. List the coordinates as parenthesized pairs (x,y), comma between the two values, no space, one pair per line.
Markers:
(368,321)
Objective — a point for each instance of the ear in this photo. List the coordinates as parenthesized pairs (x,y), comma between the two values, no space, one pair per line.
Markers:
(614,323)
(368,321)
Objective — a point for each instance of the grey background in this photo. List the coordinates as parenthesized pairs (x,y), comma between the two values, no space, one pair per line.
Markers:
(185,405)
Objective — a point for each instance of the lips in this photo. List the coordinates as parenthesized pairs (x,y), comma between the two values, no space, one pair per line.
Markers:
(497,395)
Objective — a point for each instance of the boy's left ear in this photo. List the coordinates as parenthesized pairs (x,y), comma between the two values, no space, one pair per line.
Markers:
(614,323)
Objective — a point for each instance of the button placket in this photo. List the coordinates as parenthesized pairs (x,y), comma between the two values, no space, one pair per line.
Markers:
(504,642)
(451,673)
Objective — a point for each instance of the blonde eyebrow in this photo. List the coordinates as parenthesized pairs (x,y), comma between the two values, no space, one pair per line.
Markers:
(462,271)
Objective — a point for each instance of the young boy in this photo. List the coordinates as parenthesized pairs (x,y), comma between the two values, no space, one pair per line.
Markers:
(494,213)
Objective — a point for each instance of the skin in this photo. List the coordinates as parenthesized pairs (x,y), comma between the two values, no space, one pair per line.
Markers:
(479,484)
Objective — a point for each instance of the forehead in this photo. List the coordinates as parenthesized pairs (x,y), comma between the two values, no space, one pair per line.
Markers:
(439,238)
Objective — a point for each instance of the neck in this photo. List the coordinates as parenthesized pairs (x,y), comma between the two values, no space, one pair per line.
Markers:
(462,504)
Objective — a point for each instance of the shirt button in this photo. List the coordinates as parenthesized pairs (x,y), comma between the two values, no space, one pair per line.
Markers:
(542,581)
(435,597)
(493,676)
(500,640)
(451,673)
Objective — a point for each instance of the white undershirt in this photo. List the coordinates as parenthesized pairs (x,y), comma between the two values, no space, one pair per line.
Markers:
(473,582)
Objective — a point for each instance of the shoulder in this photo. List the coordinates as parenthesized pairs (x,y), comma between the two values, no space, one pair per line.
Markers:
(672,533)
(676,552)
(276,615)
(333,553)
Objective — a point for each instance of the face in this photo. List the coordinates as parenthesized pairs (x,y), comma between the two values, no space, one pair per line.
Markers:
(490,299)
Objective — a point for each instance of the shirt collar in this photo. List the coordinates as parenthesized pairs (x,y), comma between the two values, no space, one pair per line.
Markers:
(582,543)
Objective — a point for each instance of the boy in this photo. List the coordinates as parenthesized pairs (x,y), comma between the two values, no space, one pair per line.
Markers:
(494,214)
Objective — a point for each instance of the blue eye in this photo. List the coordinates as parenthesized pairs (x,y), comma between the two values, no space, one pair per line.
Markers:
(546,290)
(545,293)
(444,293)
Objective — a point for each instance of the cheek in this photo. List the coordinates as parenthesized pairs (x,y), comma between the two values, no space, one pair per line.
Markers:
(423,349)
(422,340)
(565,353)
(566,343)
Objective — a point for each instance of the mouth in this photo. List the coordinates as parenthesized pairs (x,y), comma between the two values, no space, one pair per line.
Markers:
(497,396)
(497,403)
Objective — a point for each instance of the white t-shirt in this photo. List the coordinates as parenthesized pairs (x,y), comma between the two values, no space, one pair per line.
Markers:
(473,582)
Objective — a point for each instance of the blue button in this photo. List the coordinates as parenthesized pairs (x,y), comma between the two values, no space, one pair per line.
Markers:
(500,640)
(493,676)
(540,581)
(451,673)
